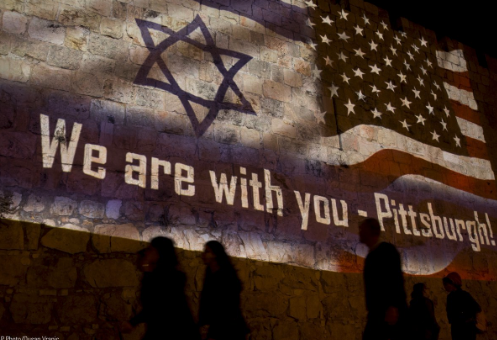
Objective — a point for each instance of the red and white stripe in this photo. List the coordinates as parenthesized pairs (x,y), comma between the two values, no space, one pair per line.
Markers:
(463,101)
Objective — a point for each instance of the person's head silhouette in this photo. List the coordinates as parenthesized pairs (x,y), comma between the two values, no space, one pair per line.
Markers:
(159,255)
(418,290)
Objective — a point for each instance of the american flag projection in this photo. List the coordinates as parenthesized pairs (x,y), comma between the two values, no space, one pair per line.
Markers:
(398,84)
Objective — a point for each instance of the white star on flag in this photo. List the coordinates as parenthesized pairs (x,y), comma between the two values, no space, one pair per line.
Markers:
(416,93)
(343,14)
(421,119)
(360,95)
(333,89)
(320,116)
(325,39)
(435,136)
(350,107)
(311,4)
(376,113)
(358,73)
(390,86)
(343,36)
(359,53)
(406,102)
(430,109)
(375,69)
(405,125)
(327,20)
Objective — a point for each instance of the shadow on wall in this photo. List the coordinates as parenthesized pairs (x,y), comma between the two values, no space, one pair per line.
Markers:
(77,285)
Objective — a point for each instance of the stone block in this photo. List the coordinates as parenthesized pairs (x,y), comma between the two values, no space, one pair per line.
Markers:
(62,274)
(15,198)
(90,84)
(190,51)
(298,308)
(12,5)
(283,127)
(292,78)
(112,27)
(244,47)
(226,134)
(31,48)
(33,232)
(115,308)
(78,309)
(138,55)
(302,67)
(48,31)
(14,69)
(269,55)
(107,111)
(134,210)
(12,271)
(112,209)
(91,209)
(109,238)
(63,206)
(45,9)
(11,235)
(51,77)
(179,12)
(64,57)
(5,43)
(34,204)
(111,273)
(287,330)
(108,47)
(252,84)
(31,309)
(14,22)
(98,65)
(250,138)
(150,98)
(77,38)
(277,91)
(71,16)
(102,7)
(69,238)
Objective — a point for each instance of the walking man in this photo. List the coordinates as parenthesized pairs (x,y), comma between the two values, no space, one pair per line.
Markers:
(384,286)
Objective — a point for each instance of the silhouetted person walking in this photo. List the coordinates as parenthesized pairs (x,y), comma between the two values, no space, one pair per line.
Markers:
(461,309)
(422,322)
(220,317)
(165,309)
(384,286)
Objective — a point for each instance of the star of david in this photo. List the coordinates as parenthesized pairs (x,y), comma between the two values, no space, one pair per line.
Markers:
(172,86)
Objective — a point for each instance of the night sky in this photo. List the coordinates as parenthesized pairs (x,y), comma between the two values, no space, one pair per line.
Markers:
(471,22)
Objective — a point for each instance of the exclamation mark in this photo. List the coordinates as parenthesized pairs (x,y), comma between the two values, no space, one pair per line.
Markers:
(490,229)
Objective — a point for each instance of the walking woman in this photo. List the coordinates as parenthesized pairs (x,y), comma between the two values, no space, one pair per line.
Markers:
(423,324)
(220,317)
(165,309)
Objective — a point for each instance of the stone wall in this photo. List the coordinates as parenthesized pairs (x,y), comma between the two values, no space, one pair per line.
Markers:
(73,285)
(271,126)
